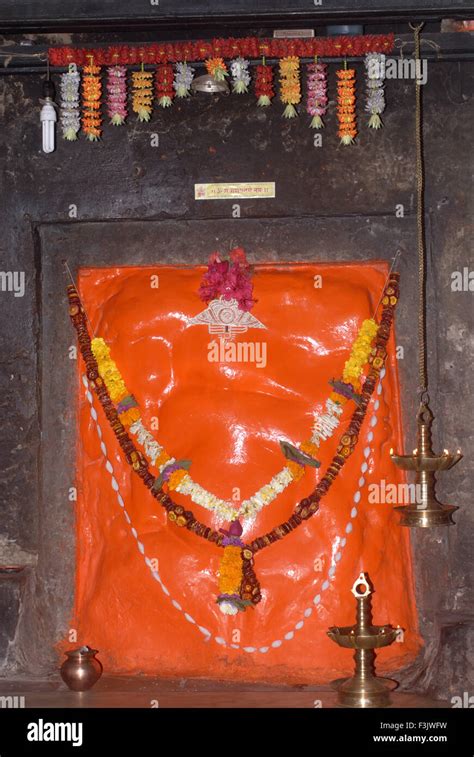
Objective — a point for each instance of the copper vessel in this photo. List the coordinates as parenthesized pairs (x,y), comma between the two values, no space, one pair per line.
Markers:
(81,670)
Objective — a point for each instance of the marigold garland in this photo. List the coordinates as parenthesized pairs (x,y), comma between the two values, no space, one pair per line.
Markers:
(217,68)
(142,94)
(290,87)
(127,407)
(264,85)
(360,352)
(91,94)
(230,571)
(246,47)
(164,85)
(249,590)
(346,105)
(317,101)
(117,94)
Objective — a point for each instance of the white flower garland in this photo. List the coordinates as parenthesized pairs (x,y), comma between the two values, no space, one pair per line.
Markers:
(324,428)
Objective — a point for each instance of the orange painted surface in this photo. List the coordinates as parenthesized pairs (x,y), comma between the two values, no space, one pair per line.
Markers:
(228,419)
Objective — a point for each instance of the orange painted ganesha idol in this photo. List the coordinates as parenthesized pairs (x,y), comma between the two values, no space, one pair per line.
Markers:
(256,408)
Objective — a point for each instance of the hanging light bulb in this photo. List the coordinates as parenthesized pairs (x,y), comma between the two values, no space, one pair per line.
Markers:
(48,116)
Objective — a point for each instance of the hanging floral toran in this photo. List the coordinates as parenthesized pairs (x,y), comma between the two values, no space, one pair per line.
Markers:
(238,585)
(242,55)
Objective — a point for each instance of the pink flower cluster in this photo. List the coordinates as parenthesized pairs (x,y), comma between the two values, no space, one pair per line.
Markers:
(117,94)
(229,279)
(317,85)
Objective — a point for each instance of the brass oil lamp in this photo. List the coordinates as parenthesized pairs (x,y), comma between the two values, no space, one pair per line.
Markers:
(426,511)
(364,689)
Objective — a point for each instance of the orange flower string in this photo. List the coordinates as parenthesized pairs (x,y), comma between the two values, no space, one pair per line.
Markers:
(346,105)
(290,87)
(91,94)
(142,94)
(217,68)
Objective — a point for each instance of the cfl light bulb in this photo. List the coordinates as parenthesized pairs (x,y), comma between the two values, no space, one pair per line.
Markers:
(48,117)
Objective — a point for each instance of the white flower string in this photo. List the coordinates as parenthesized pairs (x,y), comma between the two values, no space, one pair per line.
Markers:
(375,76)
(183,78)
(277,643)
(324,428)
(239,69)
(69,106)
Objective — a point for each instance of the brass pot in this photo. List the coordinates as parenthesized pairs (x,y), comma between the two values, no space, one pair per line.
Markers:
(81,670)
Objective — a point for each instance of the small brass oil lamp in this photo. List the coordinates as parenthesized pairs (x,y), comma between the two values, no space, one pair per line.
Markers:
(426,511)
(364,689)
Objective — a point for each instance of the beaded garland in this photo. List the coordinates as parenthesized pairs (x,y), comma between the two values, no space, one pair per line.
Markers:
(174,475)
(235,596)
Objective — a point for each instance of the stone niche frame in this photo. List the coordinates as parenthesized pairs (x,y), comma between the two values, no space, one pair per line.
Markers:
(48,594)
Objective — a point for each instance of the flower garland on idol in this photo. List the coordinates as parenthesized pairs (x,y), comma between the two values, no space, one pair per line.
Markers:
(238,584)
(228,279)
